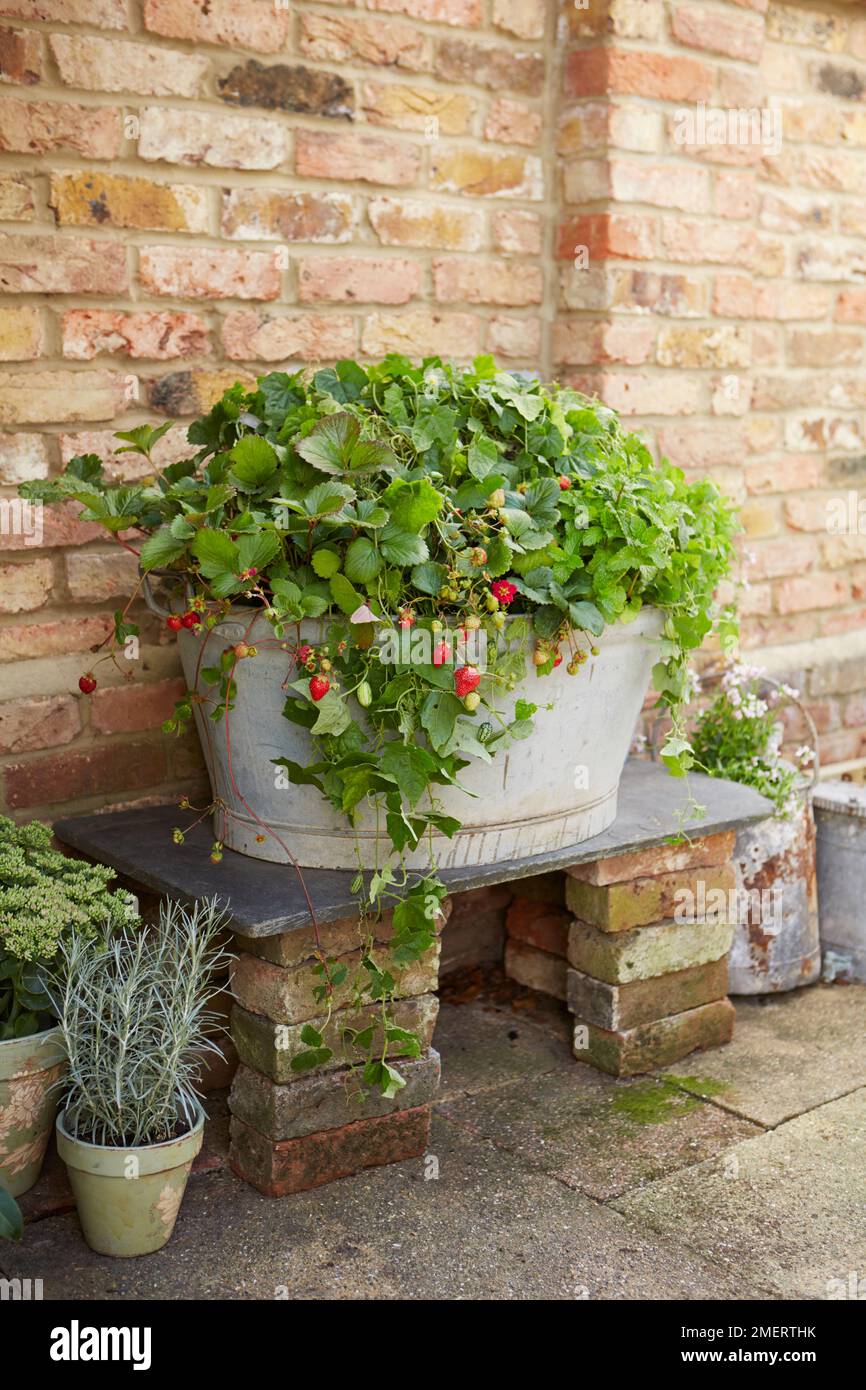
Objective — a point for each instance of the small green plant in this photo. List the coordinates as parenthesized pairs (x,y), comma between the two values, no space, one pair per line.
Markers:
(44,898)
(136,1022)
(739,737)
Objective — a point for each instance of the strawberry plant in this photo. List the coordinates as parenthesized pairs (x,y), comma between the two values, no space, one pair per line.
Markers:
(460,508)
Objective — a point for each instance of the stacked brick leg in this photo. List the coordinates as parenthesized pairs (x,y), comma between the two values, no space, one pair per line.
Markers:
(294,1130)
(645,987)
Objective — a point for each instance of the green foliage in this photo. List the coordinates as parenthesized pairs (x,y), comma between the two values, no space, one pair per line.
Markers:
(444,500)
(135,1022)
(45,898)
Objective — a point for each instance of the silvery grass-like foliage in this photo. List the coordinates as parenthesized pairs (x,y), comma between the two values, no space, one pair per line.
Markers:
(136,1022)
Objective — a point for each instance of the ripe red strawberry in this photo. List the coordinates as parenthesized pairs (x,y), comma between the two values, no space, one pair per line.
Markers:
(174,623)
(304,653)
(465,680)
(441,653)
(564,483)
(190,619)
(557,659)
(319,687)
(87,684)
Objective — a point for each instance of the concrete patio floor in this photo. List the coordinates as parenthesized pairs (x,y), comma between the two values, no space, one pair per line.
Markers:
(738,1174)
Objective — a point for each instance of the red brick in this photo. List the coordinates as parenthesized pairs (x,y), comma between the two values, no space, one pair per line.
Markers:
(607,235)
(512,123)
(280,1168)
(735,36)
(335,38)
(257,24)
(20,641)
(604,71)
(212,138)
(20,56)
(515,337)
(851,306)
(60,524)
(24,587)
(88,332)
(37,397)
(134,708)
(538,924)
(39,127)
(94,578)
(109,65)
(464,14)
(515,232)
(31,724)
(710,851)
(658,1044)
(271,214)
(97,771)
(102,14)
(501,69)
(355,280)
(321,154)
(803,593)
(469,280)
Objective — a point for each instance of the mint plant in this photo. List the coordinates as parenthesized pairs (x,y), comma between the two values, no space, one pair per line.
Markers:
(472,510)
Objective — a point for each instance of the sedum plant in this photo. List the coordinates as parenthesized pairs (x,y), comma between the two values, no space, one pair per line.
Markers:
(135,1022)
(45,898)
(459,506)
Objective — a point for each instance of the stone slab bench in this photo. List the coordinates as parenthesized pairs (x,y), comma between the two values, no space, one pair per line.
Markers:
(598,925)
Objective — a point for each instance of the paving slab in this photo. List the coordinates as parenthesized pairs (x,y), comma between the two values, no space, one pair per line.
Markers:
(488,1227)
(790,1052)
(787,1207)
(597,1134)
(485,1045)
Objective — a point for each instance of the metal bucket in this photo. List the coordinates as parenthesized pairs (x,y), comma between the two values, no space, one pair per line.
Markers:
(776,944)
(840,818)
(554,789)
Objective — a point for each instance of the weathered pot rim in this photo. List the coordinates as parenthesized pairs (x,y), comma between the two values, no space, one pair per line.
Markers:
(14,1051)
(107,1160)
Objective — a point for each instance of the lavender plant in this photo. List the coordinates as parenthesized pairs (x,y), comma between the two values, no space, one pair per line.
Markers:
(136,1020)
(45,897)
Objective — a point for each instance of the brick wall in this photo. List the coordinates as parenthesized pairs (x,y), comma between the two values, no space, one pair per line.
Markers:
(192,191)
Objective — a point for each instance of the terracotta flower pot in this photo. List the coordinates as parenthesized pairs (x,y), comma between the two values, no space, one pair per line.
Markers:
(128,1199)
(29,1069)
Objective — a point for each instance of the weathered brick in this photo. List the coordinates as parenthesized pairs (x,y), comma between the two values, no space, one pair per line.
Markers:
(621,906)
(113,65)
(471,281)
(735,36)
(248,336)
(20,56)
(604,234)
(279,87)
(204,272)
(516,232)
(421,333)
(57,265)
(812,347)
(425,109)
(851,306)
(535,969)
(483,174)
(321,154)
(338,938)
(269,1047)
(40,396)
(23,457)
(213,138)
(719,346)
(619,1007)
(278,1169)
(415,222)
(88,332)
(21,334)
(805,592)
(102,14)
(512,123)
(263,214)
(332,38)
(29,725)
(604,71)
(172,447)
(17,202)
(641,954)
(501,69)
(514,337)
(793,24)
(464,14)
(326,1100)
(24,587)
(626,19)
(286,995)
(92,198)
(479,940)
(358,280)
(39,127)
(193,392)
(256,24)
(581,342)
(640,394)
(657,1044)
(707,852)
(540,924)
(523,18)
(97,771)
(95,578)
(132,708)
